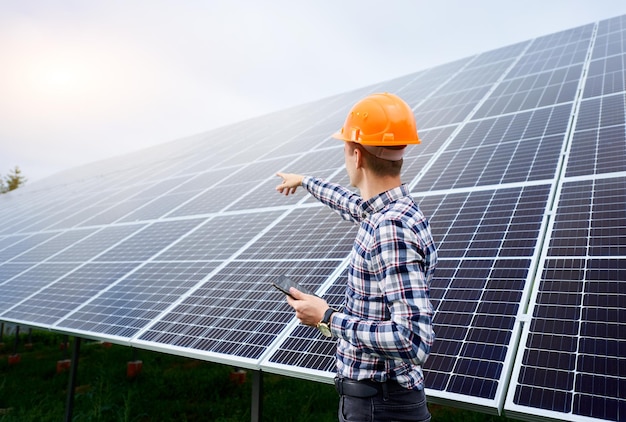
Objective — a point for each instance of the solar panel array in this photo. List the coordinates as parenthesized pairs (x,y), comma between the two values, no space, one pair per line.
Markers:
(522,171)
(573,356)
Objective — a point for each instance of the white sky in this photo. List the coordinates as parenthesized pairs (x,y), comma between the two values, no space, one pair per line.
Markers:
(85,80)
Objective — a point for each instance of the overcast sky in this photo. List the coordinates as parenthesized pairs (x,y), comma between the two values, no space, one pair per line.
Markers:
(86,80)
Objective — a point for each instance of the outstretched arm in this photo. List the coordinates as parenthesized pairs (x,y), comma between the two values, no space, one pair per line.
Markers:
(340,199)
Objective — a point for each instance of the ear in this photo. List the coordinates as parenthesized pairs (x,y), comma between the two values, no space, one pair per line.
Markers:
(358,158)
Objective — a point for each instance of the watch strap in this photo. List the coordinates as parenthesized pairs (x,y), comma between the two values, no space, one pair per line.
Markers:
(327,315)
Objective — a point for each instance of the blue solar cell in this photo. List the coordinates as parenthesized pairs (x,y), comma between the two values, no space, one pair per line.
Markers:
(57,299)
(309,233)
(10,270)
(21,286)
(23,244)
(135,300)
(220,237)
(96,244)
(149,241)
(236,312)
(472,386)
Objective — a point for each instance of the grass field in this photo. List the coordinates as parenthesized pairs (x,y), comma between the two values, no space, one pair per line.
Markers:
(169,388)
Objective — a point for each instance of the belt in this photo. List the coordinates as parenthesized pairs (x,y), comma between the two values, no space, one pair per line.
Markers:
(365,388)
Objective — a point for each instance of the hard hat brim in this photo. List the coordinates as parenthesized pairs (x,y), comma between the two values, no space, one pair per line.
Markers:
(390,142)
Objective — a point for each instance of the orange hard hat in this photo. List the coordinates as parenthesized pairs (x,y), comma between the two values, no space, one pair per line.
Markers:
(380,120)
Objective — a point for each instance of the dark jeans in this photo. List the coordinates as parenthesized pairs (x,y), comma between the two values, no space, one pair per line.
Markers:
(402,405)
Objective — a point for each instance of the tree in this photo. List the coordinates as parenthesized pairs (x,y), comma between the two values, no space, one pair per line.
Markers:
(12,181)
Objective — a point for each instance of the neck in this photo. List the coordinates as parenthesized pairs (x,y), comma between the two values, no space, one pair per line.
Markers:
(373,186)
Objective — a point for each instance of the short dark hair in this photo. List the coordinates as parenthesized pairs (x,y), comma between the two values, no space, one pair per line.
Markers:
(377,165)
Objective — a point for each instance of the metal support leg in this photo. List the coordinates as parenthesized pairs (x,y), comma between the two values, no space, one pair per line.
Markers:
(257,396)
(71,386)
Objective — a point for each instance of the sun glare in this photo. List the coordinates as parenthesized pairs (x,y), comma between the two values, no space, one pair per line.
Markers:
(58,82)
(59,79)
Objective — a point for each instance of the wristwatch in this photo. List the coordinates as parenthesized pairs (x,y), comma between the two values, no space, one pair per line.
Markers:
(324,324)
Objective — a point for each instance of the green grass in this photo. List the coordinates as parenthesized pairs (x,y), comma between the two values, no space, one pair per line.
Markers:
(169,388)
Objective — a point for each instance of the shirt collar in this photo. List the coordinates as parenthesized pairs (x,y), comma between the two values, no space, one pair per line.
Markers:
(378,202)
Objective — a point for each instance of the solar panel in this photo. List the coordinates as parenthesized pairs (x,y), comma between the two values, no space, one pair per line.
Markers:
(45,250)
(521,172)
(100,241)
(148,241)
(235,315)
(572,359)
(30,280)
(134,301)
(66,293)
(16,245)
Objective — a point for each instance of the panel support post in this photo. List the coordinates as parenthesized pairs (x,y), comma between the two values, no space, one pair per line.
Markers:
(71,385)
(257,396)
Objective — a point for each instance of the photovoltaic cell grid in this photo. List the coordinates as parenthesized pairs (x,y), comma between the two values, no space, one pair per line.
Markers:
(67,293)
(574,359)
(20,286)
(136,300)
(513,148)
(174,248)
(237,312)
(96,244)
(238,304)
(598,144)
(219,238)
(572,355)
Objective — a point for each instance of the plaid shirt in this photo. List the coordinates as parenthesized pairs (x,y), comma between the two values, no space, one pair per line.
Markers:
(385,330)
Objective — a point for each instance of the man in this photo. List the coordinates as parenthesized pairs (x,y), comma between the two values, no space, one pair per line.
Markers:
(385,330)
